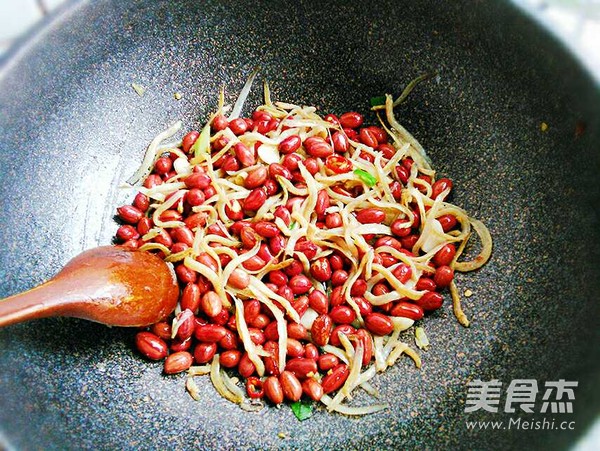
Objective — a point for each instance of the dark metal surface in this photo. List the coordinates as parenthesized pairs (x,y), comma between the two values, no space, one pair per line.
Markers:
(72,130)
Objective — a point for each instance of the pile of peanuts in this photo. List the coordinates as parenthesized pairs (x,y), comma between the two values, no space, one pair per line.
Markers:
(206,322)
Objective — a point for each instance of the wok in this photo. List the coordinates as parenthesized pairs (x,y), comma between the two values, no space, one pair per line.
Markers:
(72,130)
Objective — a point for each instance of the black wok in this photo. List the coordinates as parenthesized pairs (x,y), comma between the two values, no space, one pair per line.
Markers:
(72,130)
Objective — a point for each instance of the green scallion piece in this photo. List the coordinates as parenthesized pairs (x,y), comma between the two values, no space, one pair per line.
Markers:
(202,144)
(302,409)
(367,178)
(379,100)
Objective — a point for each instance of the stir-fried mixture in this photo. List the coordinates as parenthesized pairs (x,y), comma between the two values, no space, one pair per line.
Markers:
(303,245)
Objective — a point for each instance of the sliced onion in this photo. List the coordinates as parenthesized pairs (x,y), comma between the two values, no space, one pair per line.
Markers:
(339,353)
(252,405)
(216,378)
(347,410)
(160,209)
(413,355)
(308,318)
(486,251)
(155,246)
(199,370)
(159,192)
(352,380)
(380,364)
(268,153)
(262,288)
(244,333)
(212,277)
(348,348)
(456,307)
(281,325)
(433,236)
(239,104)
(182,166)
(401,323)
(421,338)
(231,385)
(396,352)
(151,154)
(192,388)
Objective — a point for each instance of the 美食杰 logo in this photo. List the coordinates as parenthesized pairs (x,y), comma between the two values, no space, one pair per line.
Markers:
(556,396)
(521,396)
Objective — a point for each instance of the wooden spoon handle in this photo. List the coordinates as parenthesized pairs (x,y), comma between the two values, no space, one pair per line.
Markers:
(108,285)
(47,299)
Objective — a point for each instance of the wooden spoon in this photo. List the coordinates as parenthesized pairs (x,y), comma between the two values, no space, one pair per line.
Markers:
(110,285)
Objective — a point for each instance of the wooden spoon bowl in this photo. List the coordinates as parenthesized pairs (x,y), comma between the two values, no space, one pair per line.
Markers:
(110,285)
